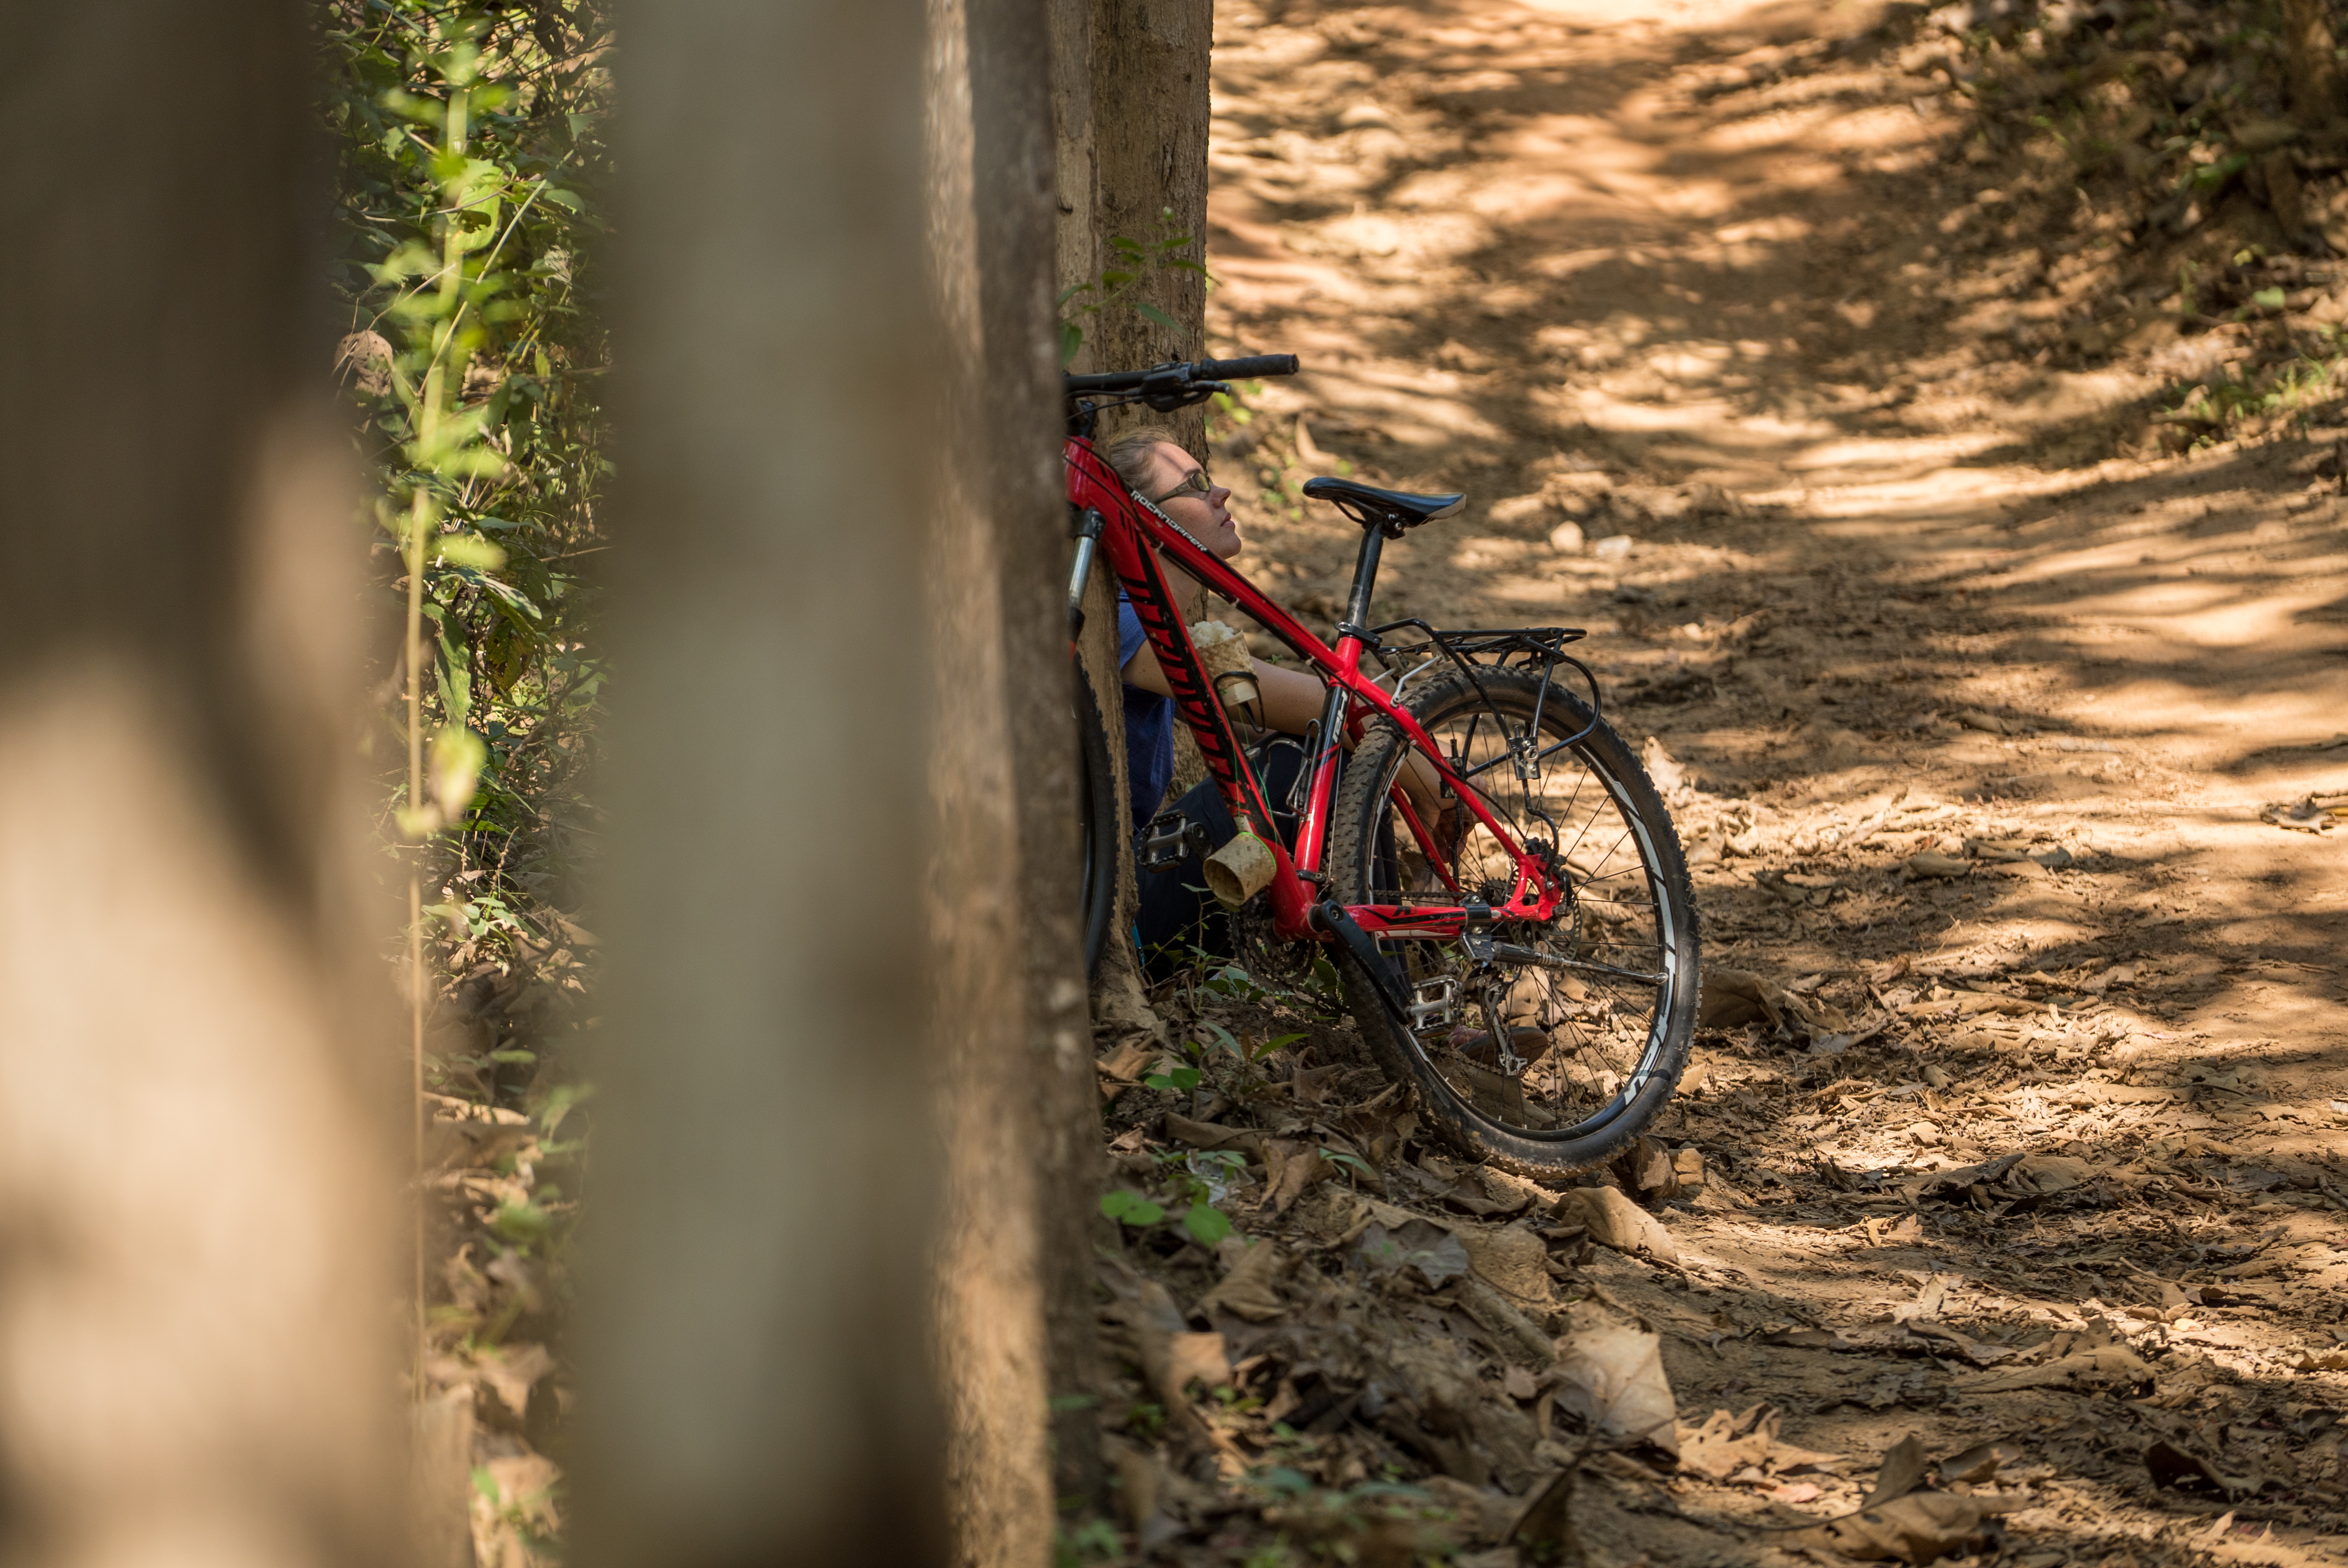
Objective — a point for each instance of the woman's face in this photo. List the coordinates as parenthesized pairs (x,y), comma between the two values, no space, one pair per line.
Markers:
(1206,517)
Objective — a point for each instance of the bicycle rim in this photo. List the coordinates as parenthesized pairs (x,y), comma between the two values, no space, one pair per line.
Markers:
(1563,1048)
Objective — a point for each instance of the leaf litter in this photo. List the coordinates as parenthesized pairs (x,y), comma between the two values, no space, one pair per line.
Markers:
(1946,1183)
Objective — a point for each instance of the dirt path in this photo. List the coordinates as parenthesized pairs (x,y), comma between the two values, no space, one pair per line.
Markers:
(1886,562)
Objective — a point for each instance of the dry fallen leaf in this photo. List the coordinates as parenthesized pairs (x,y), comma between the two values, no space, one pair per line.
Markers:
(1543,1533)
(1208,1135)
(1902,1471)
(1289,1168)
(1947,1338)
(526,1481)
(1611,1374)
(1930,1298)
(1614,1220)
(1250,1288)
(1917,1528)
(1730,998)
(1121,1070)
(2102,1367)
(2263,1550)
(1170,1355)
(1646,1168)
(1512,1257)
(1905,1231)
(2183,1469)
(2044,1176)
(1200,1358)
(1931,862)
(1432,1252)
(1725,1444)
(511,1370)
(1977,1463)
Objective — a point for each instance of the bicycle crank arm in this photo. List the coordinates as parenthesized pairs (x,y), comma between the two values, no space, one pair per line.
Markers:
(1330,915)
(1510,953)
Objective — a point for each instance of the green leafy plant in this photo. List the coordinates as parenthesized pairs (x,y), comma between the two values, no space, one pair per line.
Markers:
(1208,1225)
(469,158)
(1204,1178)
(1175,1079)
(470,153)
(1131,263)
(1130,1208)
(1094,1540)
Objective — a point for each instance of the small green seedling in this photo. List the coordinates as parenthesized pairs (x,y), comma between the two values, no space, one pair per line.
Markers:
(1130,1208)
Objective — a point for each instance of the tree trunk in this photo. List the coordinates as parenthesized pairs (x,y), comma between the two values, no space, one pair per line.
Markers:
(1149,67)
(1021,1114)
(755,1340)
(1120,1006)
(1149,76)
(198,1084)
(2309,58)
(1076,223)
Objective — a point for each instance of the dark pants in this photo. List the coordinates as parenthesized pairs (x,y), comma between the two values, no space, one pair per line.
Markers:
(1178,913)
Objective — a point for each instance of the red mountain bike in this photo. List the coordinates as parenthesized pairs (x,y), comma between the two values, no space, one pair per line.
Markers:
(1526,963)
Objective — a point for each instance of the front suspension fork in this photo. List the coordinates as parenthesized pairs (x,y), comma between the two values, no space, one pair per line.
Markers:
(1088,530)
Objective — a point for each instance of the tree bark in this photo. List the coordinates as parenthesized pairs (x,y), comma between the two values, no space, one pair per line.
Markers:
(1076,221)
(1149,68)
(1132,100)
(1121,1005)
(1016,1288)
(197,1071)
(755,1340)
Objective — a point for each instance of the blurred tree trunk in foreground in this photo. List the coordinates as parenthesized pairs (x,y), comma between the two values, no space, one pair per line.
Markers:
(786,1004)
(2309,59)
(1018,1103)
(198,1352)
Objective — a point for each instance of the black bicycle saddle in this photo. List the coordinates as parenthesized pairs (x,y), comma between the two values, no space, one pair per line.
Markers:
(1393,510)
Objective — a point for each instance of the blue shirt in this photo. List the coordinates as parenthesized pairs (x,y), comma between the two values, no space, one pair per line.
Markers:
(1148,723)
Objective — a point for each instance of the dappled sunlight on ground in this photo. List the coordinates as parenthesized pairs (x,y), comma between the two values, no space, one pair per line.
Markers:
(1972,698)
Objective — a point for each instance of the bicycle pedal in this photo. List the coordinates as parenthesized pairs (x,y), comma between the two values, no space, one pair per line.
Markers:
(1432,1003)
(1169,840)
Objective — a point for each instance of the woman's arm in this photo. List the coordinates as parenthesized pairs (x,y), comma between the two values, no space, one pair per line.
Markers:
(1290,701)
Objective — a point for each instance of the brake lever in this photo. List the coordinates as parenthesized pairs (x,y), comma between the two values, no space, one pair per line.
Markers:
(1191,392)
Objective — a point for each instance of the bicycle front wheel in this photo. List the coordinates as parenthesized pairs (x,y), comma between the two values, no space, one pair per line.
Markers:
(1564,1048)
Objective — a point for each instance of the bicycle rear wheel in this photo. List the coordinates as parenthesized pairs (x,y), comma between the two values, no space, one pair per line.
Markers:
(1564,1050)
(1098,819)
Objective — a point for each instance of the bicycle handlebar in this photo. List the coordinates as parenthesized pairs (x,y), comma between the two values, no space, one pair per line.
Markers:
(1176,374)
(1245,369)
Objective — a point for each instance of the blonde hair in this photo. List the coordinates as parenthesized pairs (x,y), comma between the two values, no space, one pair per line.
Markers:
(1132,453)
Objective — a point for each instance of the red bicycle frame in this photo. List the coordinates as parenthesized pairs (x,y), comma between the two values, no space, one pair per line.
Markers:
(1132,534)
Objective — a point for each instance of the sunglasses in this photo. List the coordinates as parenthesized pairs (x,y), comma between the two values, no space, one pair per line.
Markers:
(1194,483)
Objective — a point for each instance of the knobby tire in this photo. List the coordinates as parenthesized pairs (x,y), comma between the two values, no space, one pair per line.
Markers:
(1616,1051)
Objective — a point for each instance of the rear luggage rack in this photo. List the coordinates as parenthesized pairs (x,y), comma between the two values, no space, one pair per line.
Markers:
(1470,647)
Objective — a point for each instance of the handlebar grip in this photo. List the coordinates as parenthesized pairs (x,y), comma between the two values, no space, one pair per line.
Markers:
(1245,369)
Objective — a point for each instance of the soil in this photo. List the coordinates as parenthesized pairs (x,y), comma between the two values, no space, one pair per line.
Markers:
(1769,355)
